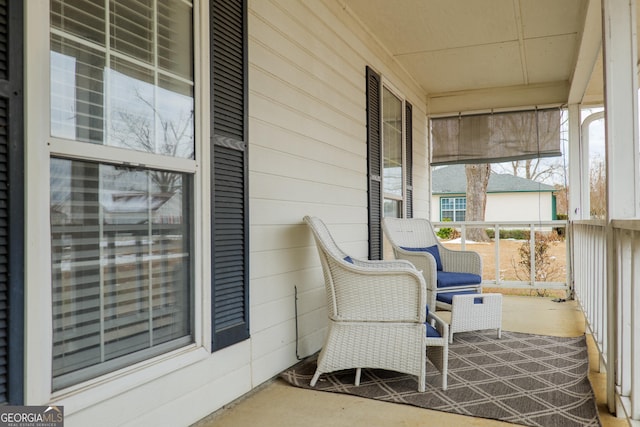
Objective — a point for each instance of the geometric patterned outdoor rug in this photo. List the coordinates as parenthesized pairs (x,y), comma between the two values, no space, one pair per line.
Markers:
(533,380)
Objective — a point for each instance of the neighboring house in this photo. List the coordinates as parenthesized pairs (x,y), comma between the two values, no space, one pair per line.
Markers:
(131,307)
(509,197)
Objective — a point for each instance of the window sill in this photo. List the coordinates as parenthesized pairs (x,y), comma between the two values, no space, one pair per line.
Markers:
(105,387)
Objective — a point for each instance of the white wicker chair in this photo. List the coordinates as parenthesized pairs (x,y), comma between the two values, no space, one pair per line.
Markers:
(377,315)
(419,233)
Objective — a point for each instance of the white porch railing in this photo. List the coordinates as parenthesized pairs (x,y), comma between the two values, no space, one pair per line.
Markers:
(533,227)
(607,276)
(590,275)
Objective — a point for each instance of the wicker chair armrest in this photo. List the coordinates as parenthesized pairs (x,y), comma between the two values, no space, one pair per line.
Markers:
(440,325)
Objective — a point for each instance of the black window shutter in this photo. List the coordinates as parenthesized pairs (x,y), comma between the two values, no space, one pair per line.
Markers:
(11,203)
(374,163)
(229,201)
(409,160)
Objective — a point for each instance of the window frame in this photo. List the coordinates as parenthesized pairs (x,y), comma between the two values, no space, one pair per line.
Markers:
(454,210)
(375,159)
(386,85)
(40,147)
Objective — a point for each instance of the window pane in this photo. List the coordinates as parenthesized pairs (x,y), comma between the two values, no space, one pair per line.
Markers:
(392,208)
(131,107)
(136,94)
(461,203)
(175,45)
(121,256)
(392,143)
(81,18)
(131,28)
(447,203)
(77,88)
(175,118)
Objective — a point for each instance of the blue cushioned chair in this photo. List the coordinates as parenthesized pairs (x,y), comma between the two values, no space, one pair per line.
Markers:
(444,270)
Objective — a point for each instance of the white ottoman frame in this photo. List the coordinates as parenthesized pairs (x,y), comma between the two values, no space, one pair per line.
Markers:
(468,316)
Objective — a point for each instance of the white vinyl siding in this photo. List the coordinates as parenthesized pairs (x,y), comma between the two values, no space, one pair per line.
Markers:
(515,206)
(308,156)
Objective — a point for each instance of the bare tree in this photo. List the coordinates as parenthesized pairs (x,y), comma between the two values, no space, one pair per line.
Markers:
(477,182)
(546,267)
(541,169)
(138,132)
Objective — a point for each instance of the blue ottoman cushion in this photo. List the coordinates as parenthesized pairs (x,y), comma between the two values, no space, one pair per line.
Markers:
(447,297)
(446,279)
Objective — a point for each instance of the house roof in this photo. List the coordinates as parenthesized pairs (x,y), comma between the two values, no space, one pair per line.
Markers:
(453,179)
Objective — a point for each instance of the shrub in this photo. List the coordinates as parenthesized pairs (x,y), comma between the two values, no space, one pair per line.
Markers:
(509,234)
(447,233)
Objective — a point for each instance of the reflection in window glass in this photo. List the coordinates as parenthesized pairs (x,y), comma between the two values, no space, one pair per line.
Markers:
(121,249)
(392,208)
(139,94)
(77,91)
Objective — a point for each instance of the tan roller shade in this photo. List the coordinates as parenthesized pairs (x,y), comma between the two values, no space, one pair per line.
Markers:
(496,137)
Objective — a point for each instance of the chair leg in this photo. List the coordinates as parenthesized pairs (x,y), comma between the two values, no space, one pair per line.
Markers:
(499,333)
(450,336)
(314,380)
(358,374)
(445,369)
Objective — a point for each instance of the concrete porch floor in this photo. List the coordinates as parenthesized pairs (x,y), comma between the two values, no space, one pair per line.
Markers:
(279,404)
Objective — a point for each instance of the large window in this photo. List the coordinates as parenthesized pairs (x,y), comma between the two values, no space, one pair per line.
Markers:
(121,224)
(392,142)
(453,208)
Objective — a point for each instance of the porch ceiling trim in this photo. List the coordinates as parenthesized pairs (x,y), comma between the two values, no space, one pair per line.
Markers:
(588,54)
(504,98)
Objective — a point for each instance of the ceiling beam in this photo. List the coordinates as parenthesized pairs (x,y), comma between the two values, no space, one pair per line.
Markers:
(520,29)
(590,45)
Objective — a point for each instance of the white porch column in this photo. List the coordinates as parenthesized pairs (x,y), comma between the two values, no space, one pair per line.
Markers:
(621,107)
(578,177)
(621,131)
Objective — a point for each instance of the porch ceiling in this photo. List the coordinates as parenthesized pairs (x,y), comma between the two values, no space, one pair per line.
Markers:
(471,55)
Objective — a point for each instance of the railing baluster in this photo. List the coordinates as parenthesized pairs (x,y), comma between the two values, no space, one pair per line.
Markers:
(496,238)
(532,253)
